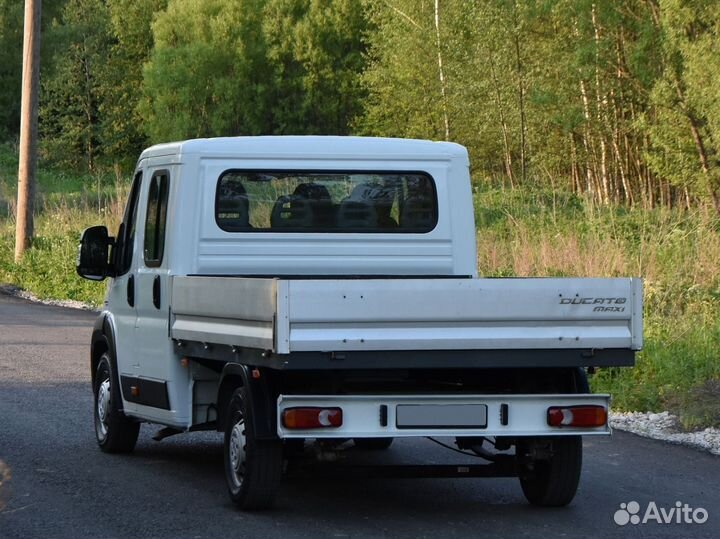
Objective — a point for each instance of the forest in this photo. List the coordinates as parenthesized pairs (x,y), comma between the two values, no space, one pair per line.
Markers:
(613,100)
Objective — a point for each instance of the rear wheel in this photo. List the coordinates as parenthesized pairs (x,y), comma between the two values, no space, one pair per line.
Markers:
(115,433)
(373,444)
(551,469)
(253,467)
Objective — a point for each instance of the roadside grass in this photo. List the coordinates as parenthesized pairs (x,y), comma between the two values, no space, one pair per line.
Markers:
(529,232)
(66,204)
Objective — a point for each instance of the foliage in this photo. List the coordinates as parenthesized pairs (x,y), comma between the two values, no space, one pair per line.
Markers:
(684,116)
(205,75)
(123,131)
(260,67)
(574,93)
(11,25)
(72,91)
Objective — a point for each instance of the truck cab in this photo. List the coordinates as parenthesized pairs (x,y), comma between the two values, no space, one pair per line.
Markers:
(282,289)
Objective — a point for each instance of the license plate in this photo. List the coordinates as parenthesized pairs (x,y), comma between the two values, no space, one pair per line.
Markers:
(414,416)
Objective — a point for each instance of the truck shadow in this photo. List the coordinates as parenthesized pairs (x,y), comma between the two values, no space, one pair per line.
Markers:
(198,459)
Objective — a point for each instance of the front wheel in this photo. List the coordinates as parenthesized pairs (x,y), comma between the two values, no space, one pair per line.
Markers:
(115,433)
(551,469)
(253,467)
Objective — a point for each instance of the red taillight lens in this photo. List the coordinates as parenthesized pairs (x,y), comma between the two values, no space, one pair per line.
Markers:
(577,416)
(312,418)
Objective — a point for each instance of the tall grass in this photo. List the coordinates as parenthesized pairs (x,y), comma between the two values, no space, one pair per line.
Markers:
(66,204)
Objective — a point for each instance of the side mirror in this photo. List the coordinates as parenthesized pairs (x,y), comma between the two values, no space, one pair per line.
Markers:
(92,260)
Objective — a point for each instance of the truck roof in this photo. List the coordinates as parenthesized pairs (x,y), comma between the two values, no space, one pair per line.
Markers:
(311,146)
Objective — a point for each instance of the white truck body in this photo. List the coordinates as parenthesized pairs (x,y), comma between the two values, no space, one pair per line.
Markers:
(346,318)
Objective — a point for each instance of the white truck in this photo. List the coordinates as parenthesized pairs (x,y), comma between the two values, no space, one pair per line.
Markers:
(281,289)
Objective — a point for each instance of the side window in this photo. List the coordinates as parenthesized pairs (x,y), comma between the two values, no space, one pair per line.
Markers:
(126,234)
(155,219)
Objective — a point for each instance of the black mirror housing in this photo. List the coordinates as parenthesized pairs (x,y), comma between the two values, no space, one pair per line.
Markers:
(93,253)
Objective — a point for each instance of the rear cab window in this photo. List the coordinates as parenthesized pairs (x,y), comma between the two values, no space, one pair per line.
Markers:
(326,202)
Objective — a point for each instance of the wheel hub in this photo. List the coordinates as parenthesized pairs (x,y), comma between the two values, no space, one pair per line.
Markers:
(103,405)
(237,451)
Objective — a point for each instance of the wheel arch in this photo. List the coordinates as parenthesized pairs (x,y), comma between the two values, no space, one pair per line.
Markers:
(259,386)
(102,341)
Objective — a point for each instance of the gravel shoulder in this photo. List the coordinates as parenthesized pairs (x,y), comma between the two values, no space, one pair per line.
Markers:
(665,426)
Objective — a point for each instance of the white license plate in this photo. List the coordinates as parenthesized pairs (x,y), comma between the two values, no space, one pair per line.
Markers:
(414,416)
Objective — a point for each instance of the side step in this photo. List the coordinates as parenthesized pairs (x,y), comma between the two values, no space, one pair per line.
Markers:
(172,431)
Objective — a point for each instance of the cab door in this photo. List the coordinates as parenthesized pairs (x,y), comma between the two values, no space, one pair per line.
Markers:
(121,297)
(152,340)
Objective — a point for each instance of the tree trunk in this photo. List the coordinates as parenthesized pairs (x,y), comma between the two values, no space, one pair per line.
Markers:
(503,123)
(441,72)
(600,113)
(521,97)
(712,183)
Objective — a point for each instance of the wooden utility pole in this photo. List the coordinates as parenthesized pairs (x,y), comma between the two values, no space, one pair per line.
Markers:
(28,128)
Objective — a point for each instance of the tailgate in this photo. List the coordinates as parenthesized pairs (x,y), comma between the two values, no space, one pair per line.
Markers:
(459,314)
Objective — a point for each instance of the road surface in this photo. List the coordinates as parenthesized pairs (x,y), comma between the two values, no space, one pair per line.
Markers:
(55,483)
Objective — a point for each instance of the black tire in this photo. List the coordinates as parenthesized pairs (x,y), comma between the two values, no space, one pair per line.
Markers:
(253,467)
(115,433)
(553,482)
(373,444)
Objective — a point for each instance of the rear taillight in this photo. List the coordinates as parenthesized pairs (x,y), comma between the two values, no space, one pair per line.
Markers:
(312,418)
(577,416)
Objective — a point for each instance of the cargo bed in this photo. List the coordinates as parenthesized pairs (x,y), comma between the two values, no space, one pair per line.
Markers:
(286,316)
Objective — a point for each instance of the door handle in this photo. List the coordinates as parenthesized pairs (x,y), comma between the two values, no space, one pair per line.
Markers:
(131,291)
(156,291)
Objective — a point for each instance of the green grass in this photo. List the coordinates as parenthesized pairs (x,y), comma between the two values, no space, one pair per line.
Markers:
(66,204)
(520,233)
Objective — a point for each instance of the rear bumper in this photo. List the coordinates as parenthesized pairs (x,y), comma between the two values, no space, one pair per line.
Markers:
(371,416)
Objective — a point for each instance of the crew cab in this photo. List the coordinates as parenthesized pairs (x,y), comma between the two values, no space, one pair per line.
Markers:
(291,289)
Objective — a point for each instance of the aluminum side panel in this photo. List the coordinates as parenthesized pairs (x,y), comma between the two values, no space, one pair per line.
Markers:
(225,297)
(224,310)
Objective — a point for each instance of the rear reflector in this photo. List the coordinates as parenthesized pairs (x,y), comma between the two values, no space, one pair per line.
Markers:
(577,416)
(312,418)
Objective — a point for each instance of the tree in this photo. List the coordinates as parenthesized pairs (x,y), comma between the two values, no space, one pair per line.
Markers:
(406,96)
(11,43)
(258,67)
(207,74)
(73,89)
(122,124)
(11,39)
(315,50)
(685,116)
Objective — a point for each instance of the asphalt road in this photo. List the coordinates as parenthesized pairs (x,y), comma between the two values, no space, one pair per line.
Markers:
(54,482)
